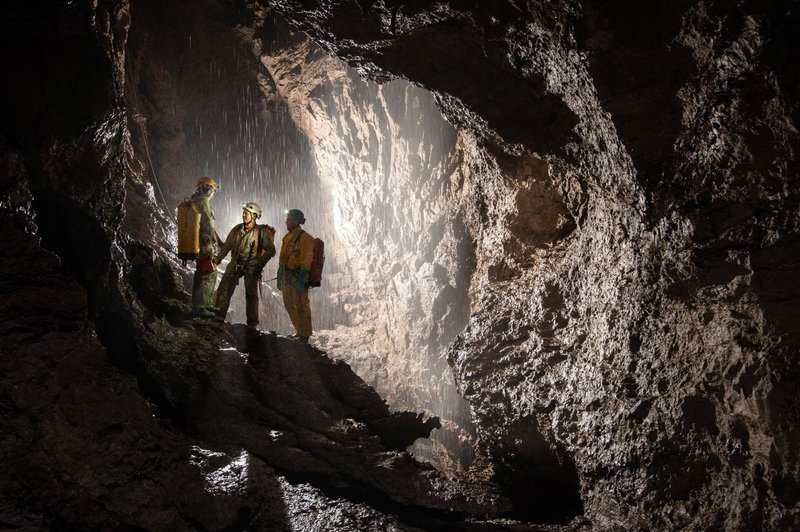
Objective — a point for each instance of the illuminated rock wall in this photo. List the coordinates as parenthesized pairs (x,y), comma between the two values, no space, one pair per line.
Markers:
(392,168)
(603,247)
(631,331)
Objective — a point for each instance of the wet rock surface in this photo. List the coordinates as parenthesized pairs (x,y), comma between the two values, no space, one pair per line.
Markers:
(391,169)
(120,410)
(202,430)
(621,184)
(625,345)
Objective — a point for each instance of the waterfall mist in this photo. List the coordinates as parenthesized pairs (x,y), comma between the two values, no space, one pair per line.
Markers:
(373,167)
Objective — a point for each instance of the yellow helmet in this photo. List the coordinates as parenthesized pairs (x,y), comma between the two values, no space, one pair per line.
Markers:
(207,182)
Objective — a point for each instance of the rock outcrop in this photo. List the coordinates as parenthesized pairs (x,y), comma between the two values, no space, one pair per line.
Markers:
(120,410)
(569,231)
(632,340)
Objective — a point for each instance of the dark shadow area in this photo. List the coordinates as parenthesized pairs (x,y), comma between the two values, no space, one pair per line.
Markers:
(350,397)
(637,70)
(779,19)
(776,281)
(82,443)
(72,234)
(56,76)
(543,487)
(519,109)
(154,282)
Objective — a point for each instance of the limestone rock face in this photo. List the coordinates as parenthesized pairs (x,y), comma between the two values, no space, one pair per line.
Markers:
(569,231)
(634,228)
(121,411)
(391,166)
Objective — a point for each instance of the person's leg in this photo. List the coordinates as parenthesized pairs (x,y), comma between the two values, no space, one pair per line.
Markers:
(225,291)
(290,304)
(251,299)
(203,285)
(198,288)
(208,283)
(303,314)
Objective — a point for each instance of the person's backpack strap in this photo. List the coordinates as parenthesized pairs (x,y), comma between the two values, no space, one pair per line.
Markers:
(257,240)
(271,234)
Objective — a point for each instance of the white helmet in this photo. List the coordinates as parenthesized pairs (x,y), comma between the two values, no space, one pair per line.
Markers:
(253,208)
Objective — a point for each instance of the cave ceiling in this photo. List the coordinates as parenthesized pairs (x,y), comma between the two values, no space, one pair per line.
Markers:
(562,265)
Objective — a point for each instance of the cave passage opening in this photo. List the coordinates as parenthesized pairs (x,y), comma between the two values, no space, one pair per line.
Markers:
(373,167)
(376,168)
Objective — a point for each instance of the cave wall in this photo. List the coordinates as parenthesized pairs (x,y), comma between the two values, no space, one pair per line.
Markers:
(63,185)
(630,194)
(640,348)
(390,164)
(117,409)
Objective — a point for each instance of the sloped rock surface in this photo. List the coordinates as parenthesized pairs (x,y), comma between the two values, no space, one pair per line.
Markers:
(622,185)
(118,410)
(81,447)
(636,352)
(222,416)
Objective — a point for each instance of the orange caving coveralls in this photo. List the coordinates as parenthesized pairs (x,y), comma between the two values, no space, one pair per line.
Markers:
(294,265)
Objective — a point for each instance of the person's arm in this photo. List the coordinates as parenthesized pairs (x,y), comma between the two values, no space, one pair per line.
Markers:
(208,210)
(282,259)
(306,251)
(265,246)
(271,250)
(227,245)
(306,246)
(267,243)
(202,206)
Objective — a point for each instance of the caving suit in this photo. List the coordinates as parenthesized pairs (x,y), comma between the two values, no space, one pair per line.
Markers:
(294,265)
(204,281)
(250,251)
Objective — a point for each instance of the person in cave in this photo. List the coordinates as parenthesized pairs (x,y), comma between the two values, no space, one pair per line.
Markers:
(205,275)
(294,266)
(251,246)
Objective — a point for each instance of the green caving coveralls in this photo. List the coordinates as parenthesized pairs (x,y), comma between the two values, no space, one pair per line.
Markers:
(203,286)
(247,260)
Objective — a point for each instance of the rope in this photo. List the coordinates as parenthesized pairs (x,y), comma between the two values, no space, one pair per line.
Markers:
(130,228)
(134,92)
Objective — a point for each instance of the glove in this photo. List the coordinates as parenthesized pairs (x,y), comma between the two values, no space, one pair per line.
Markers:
(280,277)
(302,280)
